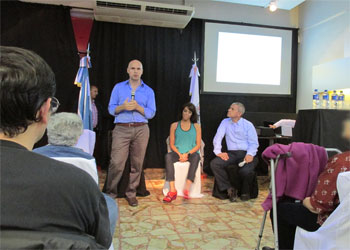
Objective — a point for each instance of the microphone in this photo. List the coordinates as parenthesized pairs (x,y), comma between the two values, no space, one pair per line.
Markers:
(241,164)
(133,95)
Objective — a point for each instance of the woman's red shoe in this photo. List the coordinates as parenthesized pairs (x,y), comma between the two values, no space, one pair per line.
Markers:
(170,197)
(186,194)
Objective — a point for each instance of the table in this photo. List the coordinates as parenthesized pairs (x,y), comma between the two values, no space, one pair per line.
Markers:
(322,127)
(274,139)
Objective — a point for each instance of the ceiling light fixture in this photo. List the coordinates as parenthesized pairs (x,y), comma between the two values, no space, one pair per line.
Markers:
(273,6)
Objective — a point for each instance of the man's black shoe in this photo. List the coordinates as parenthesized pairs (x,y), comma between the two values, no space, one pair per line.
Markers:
(132,201)
(268,248)
(232,194)
(245,197)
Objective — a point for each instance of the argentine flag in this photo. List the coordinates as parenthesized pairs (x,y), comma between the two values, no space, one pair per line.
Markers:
(194,88)
(82,81)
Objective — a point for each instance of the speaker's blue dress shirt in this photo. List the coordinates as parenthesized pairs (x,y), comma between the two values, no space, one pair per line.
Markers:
(144,96)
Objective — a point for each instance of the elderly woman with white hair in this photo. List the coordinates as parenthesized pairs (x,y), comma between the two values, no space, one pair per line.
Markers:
(63,132)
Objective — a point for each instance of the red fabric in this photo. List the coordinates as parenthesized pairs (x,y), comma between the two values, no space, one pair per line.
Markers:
(82,28)
(325,197)
(297,175)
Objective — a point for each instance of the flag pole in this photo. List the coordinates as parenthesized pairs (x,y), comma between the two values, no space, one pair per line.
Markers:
(194,85)
(88,50)
(195,59)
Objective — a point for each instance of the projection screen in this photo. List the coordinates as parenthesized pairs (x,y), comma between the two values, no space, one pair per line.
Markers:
(247,59)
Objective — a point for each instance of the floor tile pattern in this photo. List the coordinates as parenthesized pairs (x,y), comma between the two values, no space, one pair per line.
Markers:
(206,223)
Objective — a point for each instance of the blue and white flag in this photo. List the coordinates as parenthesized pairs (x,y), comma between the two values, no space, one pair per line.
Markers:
(194,88)
(82,81)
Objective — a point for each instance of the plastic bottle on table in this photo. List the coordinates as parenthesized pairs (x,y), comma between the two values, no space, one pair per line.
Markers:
(325,99)
(341,97)
(315,99)
(334,100)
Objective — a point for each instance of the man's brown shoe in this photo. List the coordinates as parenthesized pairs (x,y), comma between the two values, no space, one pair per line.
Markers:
(132,201)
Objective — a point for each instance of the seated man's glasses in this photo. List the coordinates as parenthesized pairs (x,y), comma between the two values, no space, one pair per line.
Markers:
(54,105)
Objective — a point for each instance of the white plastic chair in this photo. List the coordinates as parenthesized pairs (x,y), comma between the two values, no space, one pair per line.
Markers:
(181,170)
(335,231)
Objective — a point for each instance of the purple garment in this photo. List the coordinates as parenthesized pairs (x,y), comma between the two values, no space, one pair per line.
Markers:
(297,175)
(94,114)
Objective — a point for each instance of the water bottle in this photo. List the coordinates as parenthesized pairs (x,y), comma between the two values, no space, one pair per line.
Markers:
(315,99)
(341,100)
(325,99)
(334,100)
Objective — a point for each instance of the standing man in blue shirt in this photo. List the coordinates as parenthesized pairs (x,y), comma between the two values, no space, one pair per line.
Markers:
(132,104)
(242,144)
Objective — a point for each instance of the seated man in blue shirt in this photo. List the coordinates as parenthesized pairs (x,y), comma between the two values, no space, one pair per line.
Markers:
(132,103)
(242,144)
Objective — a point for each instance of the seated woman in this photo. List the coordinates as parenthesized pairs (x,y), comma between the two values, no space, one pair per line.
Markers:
(185,141)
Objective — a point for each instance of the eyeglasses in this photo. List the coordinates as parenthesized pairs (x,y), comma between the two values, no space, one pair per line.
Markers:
(54,104)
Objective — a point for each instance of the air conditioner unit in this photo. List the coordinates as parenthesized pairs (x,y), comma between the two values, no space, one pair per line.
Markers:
(143,13)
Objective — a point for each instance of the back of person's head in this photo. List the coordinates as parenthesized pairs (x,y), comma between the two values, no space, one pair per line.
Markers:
(64,129)
(192,108)
(26,82)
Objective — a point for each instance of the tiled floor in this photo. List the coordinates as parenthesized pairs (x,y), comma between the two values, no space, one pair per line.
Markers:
(206,223)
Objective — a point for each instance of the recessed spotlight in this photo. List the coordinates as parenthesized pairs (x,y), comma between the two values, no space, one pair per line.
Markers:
(273,6)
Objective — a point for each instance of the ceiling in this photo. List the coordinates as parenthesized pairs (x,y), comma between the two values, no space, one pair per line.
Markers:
(281,4)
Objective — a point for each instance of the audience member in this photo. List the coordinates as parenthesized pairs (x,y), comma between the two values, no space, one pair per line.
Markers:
(185,141)
(242,144)
(39,194)
(132,103)
(313,211)
(63,132)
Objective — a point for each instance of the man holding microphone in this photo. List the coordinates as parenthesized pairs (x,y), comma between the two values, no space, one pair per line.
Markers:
(132,103)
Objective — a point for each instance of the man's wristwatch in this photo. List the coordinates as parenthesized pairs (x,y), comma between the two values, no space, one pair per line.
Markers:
(188,154)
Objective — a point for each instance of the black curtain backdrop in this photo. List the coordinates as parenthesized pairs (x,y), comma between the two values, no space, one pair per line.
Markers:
(166,55)
(47,30)
(167,59)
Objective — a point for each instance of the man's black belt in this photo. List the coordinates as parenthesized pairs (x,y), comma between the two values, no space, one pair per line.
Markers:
(131,124)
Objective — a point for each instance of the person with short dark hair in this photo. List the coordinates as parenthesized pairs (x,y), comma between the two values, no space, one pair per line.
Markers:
(185,141)
(39,194)
(242,145)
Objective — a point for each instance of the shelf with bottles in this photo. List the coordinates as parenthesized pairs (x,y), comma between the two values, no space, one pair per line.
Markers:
(331,99)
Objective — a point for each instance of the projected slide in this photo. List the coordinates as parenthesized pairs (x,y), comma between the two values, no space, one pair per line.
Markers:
(247,59)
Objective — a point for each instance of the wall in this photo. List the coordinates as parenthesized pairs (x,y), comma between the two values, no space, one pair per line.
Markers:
(324,37)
